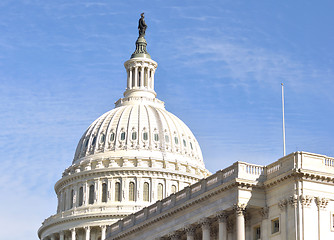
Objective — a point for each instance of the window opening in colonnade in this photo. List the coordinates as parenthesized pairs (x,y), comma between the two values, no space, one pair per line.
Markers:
(139,78)
(146,192)
(80,196)
(64,202)
(131,191)
(173,189)
(117,192)
(104,192)
(257,233)
(91,194)
(72,198)
(275,225)
(160,191)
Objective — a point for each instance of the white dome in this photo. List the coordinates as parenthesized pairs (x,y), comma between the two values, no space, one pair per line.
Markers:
(128,158)
(139,131)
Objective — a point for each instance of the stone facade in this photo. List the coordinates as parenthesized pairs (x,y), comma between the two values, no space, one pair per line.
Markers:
(292,198)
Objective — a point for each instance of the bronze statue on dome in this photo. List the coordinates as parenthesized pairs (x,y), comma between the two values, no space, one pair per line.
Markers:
(142,26)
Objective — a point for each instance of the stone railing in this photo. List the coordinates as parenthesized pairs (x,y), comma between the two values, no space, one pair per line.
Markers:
(237,170)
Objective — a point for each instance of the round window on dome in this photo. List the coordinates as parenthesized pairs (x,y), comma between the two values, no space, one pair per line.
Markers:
(156,137)
(145,136)
(134,135)
(166,138)
(176,140)
(123,136)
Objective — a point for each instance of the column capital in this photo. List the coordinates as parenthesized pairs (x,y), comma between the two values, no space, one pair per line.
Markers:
(174,236)
(205,223)
(190,230)
(306,200)
(321,202)
(282,204)
(293,200)
(239,208)
(222,216)
(264,212)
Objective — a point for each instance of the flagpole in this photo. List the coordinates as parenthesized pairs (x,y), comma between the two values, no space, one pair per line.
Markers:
(283,119)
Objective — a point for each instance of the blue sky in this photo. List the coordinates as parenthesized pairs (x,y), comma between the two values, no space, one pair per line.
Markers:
(221,64)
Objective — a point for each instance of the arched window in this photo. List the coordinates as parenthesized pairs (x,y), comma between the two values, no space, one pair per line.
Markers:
(91,194)
(160,191)
(184,143)
(156,137)
(80,196)
(173,189)
(145,136)
(131,191)
(176,140)
(166,138)
(134,135)
(112,137)
(72,198)
(104,192)
(146,192)
(123,136)
(117,192)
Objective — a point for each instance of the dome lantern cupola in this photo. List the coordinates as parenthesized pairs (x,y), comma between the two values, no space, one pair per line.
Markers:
(140,69)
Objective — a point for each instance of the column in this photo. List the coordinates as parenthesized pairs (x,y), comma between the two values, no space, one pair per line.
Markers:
(264,223)
(205,229)
(283,224)
(61,235)
(73,233)
(128,79)
(190,232)
(87,229)
(222,228)
(136,77)
(103,232)
(240,221)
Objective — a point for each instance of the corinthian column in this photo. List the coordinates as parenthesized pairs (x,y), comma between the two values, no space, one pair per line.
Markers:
(73,233)
(190,231)
(206,228)
(87,233)
(222,228)
(103,232)
(61,235)
(240,221)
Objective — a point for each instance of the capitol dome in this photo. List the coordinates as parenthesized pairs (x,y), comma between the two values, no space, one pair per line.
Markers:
(134,155)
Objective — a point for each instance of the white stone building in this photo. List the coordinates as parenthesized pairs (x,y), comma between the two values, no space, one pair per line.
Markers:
(142,164)
(292,198)
(128,158)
